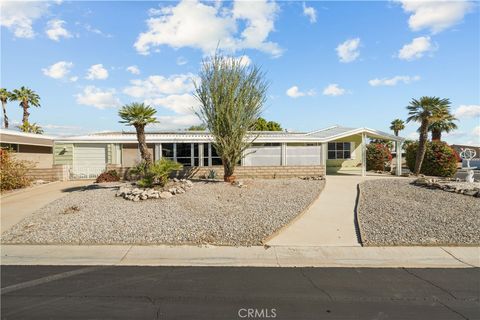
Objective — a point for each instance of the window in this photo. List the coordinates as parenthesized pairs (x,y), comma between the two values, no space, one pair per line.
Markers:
(216,161)
(184,153)
(167,150)
(10,146)
(338,150)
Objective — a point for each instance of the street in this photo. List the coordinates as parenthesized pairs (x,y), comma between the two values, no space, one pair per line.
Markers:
(84,292)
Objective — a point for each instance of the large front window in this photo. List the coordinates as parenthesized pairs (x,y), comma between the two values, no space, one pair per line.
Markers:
(184,153)
(338,150)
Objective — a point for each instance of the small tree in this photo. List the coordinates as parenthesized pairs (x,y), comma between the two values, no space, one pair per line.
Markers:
(30,128)
(396,126)
(263,125)
(199,127)
(440,159)
(231,97)
(139,115)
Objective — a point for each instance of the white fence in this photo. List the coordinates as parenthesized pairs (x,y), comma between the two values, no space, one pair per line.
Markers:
(85,172)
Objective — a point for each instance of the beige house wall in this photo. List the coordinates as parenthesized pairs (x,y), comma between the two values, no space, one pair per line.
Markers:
(349,164)
(40,160)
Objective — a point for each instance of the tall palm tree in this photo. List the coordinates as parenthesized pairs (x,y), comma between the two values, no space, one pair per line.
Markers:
(426,110)
(26,97)
(444,124)
(397,125)
(4,97)
(139,115)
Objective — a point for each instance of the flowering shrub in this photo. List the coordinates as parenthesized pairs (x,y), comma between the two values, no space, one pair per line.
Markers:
(378,156)
(13,173)
(440,159)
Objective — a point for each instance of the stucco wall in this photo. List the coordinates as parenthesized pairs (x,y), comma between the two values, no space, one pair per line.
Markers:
(349,164)
(40,160)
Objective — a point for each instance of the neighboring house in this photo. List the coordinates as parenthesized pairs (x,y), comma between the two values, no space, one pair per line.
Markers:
(336,149)
(475,162)
(29,146)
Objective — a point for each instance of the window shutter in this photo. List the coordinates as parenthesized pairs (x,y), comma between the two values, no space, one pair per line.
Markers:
(352,150)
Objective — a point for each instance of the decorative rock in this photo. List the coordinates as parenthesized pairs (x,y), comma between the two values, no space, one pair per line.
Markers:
(165,195)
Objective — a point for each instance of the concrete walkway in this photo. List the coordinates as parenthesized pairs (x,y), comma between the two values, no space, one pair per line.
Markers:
(19,204)
(330,219)
(372,257)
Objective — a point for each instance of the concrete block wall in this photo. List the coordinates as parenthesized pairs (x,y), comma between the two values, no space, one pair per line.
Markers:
(55,173)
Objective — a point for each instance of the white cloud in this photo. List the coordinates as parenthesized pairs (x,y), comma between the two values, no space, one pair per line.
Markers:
(435,15)
(310,12)
(348,50)
(19,16)
(393,81)
(97,71)
(133,70)
(416,49)
(476,132)
(91,29)
(158,86)
(198,25)
(294,92)
(176,122)
(181,61)
(101,99)
(74,79)
(334,90)
(58,70)
(179,103)
(467,111)
(55,30)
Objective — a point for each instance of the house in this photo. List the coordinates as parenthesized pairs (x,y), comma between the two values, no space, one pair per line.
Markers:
(29,146)
(330,150)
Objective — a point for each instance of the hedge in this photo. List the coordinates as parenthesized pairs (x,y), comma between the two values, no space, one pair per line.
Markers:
(440,159)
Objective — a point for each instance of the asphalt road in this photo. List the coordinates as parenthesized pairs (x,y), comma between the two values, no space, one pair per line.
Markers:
(44,292)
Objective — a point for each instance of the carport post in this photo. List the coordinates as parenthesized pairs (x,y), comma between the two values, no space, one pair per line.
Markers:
(364,154)
(398,169)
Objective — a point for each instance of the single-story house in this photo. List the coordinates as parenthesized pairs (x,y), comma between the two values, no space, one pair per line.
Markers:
(335,149)
(28,146)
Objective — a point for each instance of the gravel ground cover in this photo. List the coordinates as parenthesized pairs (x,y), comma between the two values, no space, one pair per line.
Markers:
(394,212)
(209,213)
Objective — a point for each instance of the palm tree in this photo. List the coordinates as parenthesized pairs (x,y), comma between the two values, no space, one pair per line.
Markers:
(426,110)
(397,125)
(139,115)
(5,95)
(31,128)
(231,97)
(26,97)
(444,124)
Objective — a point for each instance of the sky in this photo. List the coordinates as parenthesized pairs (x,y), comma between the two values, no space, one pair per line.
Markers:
(355,64)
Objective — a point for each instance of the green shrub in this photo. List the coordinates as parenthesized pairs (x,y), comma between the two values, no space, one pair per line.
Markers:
(13,173)
(156,173)
(378,156)
(440,159)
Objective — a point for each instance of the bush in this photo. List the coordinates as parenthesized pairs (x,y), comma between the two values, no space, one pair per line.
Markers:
(108,176)
(440,159)
(13,173)
(378,156)
(157,173)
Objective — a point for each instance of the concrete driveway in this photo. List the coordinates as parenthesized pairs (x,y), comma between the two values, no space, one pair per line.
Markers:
(19,204)
(330,219)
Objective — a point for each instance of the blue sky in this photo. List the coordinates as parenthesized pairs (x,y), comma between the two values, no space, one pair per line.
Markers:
(356,64)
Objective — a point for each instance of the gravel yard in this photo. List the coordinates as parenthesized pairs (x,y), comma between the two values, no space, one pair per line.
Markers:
(209,213)
(394,212)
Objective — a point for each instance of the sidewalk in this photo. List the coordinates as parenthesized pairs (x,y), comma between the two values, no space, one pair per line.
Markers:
(330,221)
(17,205)
(372,257)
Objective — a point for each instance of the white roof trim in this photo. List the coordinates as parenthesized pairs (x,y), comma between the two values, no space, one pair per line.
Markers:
(25,134)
